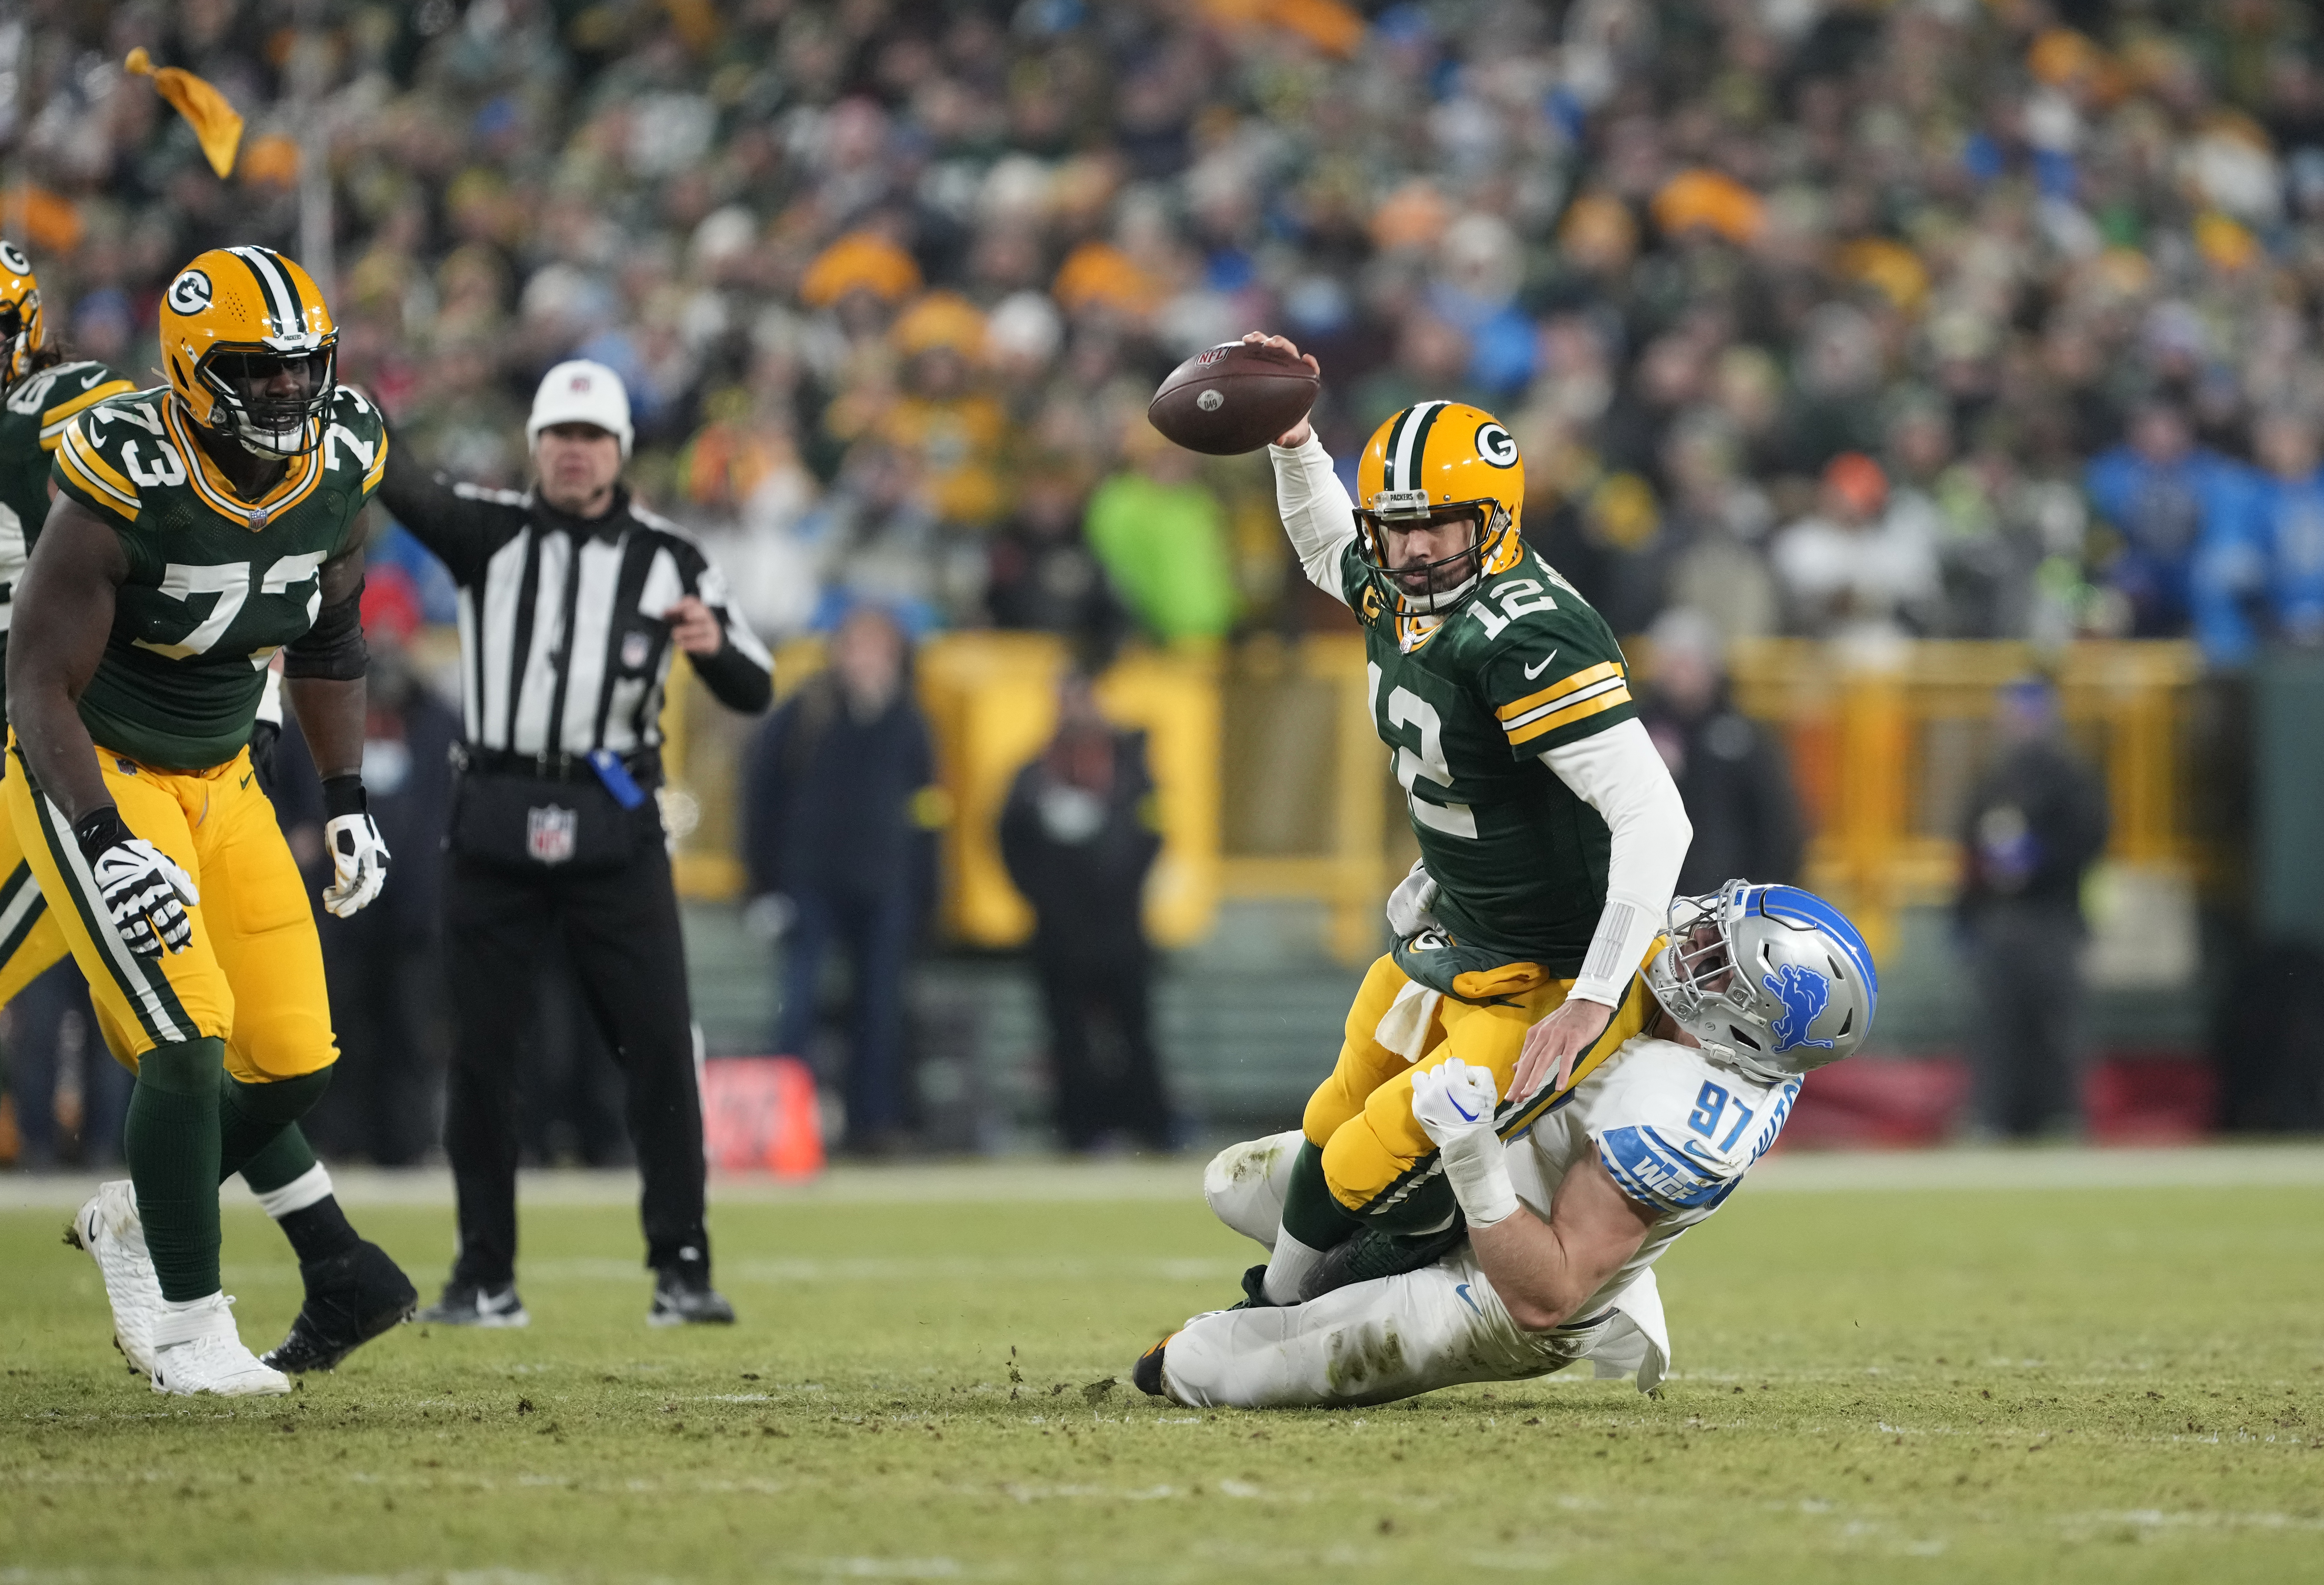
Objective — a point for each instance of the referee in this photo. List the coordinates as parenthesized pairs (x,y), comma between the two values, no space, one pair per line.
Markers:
(573,600)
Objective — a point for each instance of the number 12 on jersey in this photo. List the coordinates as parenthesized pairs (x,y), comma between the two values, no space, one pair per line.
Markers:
(1427,762)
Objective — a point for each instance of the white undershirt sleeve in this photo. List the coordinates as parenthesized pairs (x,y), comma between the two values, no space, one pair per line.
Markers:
(1317,514)
(1618,773)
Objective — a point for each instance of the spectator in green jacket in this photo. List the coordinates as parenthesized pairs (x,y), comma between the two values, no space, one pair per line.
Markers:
(1161,535)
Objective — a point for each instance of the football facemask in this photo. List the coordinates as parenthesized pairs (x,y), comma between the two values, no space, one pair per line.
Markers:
(1425,585)
(272,395)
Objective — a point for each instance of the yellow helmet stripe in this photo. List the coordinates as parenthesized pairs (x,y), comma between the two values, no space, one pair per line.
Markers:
(1407,446)
(281,293)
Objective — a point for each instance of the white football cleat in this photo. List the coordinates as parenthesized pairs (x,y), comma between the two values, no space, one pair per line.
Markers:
(196,1349)
(108,1228)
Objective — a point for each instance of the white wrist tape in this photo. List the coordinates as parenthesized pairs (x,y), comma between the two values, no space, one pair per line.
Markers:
(1476,1165)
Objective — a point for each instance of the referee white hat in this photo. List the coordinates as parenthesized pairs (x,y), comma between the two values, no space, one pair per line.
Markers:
(580,392)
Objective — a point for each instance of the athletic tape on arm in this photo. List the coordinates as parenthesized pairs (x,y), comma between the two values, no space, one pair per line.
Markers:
(1316,512)
(1618,773)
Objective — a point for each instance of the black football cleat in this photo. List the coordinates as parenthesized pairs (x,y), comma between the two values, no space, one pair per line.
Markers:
(1367,1255)
(1147,1374)
(351,1298)
(468,1304)
(1254,1290)
(683,1296)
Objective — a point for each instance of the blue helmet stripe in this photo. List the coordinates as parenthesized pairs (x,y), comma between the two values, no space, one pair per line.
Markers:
(1795,906)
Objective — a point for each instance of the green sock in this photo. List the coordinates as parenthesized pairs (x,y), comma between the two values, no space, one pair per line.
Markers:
(283,1159)
(251,1117)
(172,1144)
(1310,1215)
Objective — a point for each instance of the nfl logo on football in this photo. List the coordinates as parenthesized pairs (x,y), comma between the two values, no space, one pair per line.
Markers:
(549,832)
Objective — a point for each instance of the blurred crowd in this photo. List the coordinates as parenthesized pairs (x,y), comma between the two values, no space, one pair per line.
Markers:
(1837,317)
(1853,319)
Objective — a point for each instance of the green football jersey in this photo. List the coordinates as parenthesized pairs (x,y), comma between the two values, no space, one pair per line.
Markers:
(1469,703)
(215,584)
(34,413)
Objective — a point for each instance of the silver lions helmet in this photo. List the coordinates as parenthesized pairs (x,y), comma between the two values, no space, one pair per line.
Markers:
(1772,979)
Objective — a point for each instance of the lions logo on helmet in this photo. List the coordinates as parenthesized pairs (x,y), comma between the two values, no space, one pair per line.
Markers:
(234,324)
(21,323)
(1772,979)
(1438,462)
(1803,993)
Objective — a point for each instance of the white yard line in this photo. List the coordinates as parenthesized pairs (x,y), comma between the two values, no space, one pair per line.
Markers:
(1034,1180)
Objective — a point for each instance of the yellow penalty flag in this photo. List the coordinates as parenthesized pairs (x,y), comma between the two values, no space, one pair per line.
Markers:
(215,122)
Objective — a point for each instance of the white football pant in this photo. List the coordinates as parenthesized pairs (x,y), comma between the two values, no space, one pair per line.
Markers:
(1374,1342)
(1370,1342)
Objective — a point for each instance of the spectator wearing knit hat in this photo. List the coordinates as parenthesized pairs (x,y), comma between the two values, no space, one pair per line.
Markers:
(1854,567)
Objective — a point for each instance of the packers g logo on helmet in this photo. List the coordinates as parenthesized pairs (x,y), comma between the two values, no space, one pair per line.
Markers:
(190,293)
(1438,462)
(234,324)
(21,322)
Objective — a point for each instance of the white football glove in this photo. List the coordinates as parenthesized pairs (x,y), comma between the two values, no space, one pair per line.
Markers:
(1453,1099)
(1410,904)
(145,890)
(359,863)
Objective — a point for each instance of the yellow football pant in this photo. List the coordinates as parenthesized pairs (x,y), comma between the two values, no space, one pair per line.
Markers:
(252,972)
(30,940)
(1361,1118)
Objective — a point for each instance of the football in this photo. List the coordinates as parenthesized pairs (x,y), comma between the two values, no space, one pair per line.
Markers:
(1232,398)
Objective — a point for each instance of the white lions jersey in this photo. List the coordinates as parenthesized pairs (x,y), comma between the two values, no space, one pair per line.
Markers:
(1677,1131)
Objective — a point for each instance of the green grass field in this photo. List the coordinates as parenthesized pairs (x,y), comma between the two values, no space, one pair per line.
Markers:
(1899,1383)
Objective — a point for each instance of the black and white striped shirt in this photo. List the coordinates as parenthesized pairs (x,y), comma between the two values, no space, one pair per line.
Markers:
(565,640)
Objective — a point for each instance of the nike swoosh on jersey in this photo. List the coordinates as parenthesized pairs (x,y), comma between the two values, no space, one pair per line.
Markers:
(92,380)
(1535,671)
(1464,1291)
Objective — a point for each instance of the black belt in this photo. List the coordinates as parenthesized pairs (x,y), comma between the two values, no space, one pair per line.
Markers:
(644,765)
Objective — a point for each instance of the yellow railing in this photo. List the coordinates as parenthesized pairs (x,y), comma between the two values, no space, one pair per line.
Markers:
(1273,783)
(1886,748)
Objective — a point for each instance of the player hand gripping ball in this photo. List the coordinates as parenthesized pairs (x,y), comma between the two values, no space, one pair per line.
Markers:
(146,892)
(358,852)
(1453,1100)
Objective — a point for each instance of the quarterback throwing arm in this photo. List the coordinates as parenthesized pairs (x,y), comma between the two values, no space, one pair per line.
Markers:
(1550,831)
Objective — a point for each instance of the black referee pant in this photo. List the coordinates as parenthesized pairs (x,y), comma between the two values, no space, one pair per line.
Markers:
(622,928)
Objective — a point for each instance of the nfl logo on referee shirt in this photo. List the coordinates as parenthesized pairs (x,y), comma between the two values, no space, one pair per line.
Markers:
(549,832)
